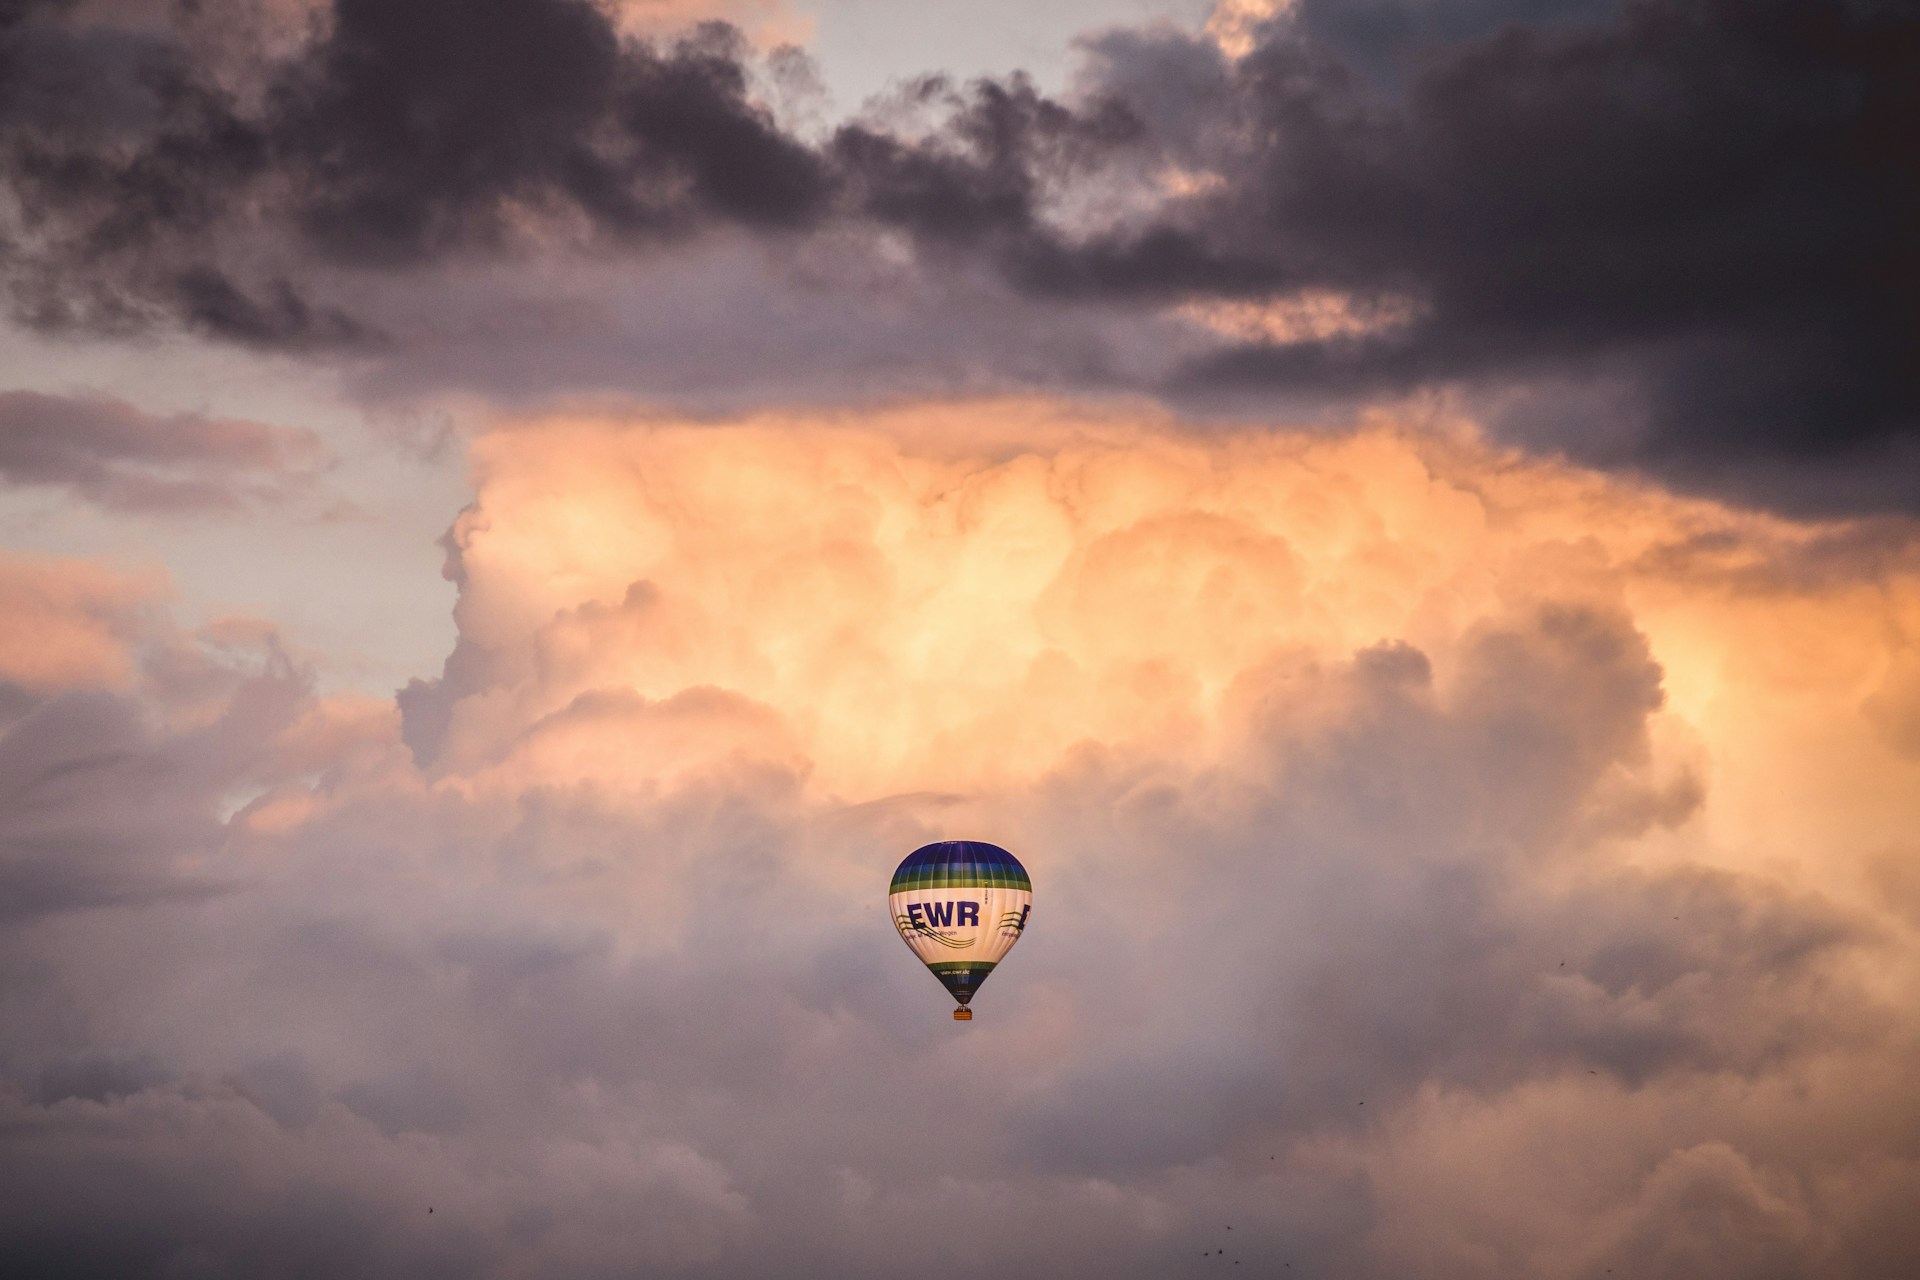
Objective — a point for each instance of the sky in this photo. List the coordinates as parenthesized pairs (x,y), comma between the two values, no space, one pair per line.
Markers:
(516,515)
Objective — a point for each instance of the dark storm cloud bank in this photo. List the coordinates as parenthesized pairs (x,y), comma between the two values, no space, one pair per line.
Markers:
(1671,235)
(397,134)
(400,134)
(415,128)
(1703,205)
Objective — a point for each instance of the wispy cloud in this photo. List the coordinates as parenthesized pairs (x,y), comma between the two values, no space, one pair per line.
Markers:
(120,457)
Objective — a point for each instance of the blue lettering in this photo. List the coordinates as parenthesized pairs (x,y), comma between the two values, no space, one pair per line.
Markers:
(940,914)
(913,916)
(969,912)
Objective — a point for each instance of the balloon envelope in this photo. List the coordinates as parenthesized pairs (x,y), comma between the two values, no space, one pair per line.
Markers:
(961,905)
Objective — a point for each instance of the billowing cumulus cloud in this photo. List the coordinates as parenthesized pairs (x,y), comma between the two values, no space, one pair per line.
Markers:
(1445,863)
(1248,482)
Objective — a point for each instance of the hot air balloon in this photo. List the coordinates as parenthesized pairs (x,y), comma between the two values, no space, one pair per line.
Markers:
(961,905)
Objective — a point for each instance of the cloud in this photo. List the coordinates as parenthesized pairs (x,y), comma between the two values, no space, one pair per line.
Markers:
(1622,201)
(1444,860)
(1235,25)
(124,738)
(69,623)
(769,23)
(983,173)
(1308,316)
(412,143)
(1663,237)
(276,316)
(119,457)
(393,136)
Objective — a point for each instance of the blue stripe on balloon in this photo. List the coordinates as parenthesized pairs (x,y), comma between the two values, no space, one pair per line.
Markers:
(947,861)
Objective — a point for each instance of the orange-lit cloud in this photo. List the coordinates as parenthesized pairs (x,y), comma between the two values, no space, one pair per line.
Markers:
(949,594)
(70,623)
(964,602)
(1314,315)
(1445,862)
(766,22)
(1234,24)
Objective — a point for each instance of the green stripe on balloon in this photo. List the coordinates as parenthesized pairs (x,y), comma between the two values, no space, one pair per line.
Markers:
(961,880)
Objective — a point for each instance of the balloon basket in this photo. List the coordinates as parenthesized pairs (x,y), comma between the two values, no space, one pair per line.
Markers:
(963,1015)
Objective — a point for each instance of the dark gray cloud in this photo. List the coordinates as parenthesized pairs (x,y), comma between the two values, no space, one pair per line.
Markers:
(416,128)
(1669,235)
(1701,204)
(980,177)
(274,316)
(1381,37)
(113,454)
(156,184)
